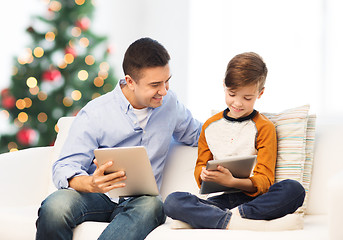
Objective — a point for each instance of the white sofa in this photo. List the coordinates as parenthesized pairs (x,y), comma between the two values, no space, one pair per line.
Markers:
(25,180)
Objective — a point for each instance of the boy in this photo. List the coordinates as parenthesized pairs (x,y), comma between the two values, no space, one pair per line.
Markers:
(140,111)
(238,130)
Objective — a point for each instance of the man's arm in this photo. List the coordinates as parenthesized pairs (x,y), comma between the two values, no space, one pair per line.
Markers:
(187,128)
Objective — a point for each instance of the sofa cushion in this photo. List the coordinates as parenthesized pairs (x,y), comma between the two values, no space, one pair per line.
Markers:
(18,222)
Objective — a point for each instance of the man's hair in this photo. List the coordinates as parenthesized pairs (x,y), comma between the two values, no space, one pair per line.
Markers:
(144,53)
(244,70)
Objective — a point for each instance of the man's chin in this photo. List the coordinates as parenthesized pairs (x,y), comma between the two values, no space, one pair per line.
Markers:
(156,104)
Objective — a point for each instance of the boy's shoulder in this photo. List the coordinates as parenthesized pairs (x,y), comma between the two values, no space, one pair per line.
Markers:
(262,121)
(214,118)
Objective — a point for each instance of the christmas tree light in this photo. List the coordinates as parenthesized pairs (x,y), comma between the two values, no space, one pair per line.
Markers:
(56,75)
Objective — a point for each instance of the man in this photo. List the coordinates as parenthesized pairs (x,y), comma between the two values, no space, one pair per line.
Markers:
(140,111)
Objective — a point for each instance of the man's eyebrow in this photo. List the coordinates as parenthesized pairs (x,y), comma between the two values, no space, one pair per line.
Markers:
(161,81)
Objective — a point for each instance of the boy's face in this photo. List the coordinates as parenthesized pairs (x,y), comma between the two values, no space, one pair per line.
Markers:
(150,89)
(241,101)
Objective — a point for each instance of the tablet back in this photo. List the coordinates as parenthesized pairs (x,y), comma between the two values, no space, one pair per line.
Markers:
(134,161)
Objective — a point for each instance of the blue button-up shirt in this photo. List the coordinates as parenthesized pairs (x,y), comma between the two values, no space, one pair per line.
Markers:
(108,121)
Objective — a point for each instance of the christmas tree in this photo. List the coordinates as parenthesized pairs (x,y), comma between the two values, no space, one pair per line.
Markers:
(64,68)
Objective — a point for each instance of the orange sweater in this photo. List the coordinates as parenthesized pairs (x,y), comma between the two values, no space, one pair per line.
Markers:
(222,136)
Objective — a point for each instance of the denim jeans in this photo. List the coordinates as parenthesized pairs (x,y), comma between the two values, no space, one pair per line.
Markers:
(133,218)
(282,198)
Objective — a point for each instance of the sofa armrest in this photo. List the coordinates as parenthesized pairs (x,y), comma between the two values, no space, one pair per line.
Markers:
(24,176)
(335,208)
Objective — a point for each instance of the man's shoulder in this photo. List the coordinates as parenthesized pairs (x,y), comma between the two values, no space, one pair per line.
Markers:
(100,102)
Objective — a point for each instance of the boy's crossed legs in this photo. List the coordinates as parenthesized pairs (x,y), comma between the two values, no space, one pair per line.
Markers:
(282,198)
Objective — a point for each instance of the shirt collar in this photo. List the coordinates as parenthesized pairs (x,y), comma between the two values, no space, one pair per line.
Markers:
(242,119)
(124,103)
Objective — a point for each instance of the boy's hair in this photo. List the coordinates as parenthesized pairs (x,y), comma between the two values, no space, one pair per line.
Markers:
(144,53)
(246,69)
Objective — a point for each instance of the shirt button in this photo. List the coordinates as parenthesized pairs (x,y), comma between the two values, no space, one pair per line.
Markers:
(144,132)
(135,122)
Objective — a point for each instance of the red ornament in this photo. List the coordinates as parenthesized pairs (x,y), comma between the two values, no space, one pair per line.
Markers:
(52,75)
(8,102)
(83,23)
(5,92)
(71,51)
(26,136)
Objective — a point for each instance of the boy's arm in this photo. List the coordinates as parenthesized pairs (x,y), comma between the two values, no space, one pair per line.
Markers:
(204,155)
(266,145)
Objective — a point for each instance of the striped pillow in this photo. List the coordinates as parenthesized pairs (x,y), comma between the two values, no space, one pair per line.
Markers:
(310,136)
(290,127)
(295,131)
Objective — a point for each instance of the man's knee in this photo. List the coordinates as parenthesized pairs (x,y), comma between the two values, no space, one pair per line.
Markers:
(150,206)
(57,207)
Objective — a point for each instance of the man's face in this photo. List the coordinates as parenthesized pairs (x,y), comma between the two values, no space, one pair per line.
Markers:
(150,88)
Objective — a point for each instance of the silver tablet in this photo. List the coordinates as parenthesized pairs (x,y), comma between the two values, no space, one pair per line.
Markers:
(135,162)
(239,166)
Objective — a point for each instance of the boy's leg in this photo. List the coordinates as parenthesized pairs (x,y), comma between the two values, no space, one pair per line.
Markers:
(283,198)
(197,212)
(135,218)
(64,209)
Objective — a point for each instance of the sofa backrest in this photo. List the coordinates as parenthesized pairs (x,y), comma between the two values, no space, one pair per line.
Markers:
(178,173)
(327,162)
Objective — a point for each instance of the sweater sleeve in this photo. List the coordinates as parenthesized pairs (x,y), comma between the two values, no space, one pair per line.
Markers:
(266,146)
(204,152)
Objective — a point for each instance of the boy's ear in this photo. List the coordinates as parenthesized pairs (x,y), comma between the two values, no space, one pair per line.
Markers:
(261,92)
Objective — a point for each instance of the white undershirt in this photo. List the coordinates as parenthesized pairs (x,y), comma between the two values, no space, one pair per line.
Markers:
(142,116)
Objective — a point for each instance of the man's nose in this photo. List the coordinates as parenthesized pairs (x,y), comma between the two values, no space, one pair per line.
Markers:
(163,90)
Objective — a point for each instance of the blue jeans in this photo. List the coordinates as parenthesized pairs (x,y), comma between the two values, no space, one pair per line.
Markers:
(282,198)
(133,218)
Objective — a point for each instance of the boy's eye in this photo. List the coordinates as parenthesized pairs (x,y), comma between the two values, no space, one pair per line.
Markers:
(248,99)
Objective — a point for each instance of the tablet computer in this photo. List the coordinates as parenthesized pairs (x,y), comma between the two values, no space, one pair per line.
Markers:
(140,179)
(239,166)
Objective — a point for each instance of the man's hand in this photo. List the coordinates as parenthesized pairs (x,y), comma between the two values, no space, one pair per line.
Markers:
(99,182)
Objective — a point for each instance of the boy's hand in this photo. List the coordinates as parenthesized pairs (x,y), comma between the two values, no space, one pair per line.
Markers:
(221,176)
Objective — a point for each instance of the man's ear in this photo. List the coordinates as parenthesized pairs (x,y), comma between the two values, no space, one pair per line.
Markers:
(130,82)
(261,93)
